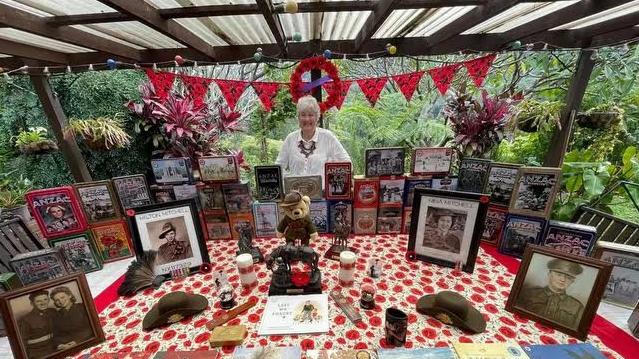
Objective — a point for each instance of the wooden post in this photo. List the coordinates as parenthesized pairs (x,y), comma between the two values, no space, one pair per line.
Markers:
(316,74)
(58,122)
(561,138)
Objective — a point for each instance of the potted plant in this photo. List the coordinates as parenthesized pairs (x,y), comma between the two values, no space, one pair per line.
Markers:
(12,193)
(101,133)
(600,116)
(35,141)
(534,115)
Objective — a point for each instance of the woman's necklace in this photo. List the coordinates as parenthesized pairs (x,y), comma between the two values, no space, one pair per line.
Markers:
(306,151)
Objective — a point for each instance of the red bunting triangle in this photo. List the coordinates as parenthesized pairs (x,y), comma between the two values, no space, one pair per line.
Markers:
(443,76)
(197,87)
(162,82)
(408,83)
(346,85)
(372,88)
(266,92)
(232,90)
(478,68)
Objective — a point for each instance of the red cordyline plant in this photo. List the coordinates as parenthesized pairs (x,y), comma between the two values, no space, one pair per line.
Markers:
(478,126)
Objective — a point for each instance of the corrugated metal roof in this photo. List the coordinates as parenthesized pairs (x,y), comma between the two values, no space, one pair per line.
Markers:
(58,7)
(39,41)
(165,4)
(435,20)
(615,12)
(343,25)
(399,22)
(135,33)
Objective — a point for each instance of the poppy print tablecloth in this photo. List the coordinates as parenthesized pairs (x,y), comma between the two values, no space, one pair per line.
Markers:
(401,284)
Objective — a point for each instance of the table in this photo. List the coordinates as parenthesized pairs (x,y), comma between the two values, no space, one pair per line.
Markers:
(402,283)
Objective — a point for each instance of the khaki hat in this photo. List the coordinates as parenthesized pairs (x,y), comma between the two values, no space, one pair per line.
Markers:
(166,228)
(291,199)
(451,308)
(174,307)
(565,267)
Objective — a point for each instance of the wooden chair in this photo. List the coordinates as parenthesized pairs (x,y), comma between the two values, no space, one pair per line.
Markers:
(15,238)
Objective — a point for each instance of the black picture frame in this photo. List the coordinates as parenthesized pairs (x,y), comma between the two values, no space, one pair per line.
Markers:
(269,185)
(469,207)
(163,212)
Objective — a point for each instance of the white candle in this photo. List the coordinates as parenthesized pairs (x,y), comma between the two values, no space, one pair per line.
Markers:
(346,268)
(244,264)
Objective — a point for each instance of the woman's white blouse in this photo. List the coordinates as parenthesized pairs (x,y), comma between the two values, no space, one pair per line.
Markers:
(327,149)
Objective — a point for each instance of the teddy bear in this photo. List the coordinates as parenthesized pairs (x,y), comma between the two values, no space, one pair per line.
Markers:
(297,223)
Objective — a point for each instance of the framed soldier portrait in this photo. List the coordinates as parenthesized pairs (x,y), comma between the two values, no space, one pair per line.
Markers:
(559,289)
(446,227)
(57,211)
(52,319)
(174,231)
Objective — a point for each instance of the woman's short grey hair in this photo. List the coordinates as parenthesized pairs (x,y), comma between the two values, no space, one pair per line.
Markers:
(308,103)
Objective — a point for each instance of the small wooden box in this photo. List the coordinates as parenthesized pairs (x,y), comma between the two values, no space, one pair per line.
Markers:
(228,335)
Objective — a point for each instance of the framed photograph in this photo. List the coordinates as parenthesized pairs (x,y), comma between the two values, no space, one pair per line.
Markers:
(38,266)
(338,180)
(391,191)
(319,215)
(162,193)
(211,197)
(501,181)
(112,241)
(473,175)
(172,170)
(518,232)
(99,201)
(408,212)
(494,225)
(448,183)
(558,289)
(57,211)
(364,220)
(52,319)
(132,191)
(410,185)
(446,227)
(571,238)
(237,198)
(307,185)
(431,161)
(173,230)
(623,287)
(79,252)
(338,209)
(185,191)
(534,192)
(218,169)
(217,225)
(268,183)
(389,220)
(387,161)
(239,222)
(266,218)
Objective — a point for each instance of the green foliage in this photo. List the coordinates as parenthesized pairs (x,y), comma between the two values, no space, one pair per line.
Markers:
(13,189)
(602,142)
(253,153)
(542,115)
(33,135)
(526,148)
(102,132)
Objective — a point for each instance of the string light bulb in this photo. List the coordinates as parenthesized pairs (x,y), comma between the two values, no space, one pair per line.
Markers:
(545,47)
(155,67)
(46,71)
(90,67)
(68,70)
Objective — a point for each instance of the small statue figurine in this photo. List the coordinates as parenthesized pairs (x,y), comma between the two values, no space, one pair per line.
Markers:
(374,268)
(367,301)
(285,280)
(245,243)
(296,224)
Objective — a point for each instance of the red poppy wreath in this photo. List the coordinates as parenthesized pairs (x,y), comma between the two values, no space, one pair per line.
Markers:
(318,62)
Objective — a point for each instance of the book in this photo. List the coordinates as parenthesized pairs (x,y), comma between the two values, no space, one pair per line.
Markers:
(132,191)
(410,185)
(341,354)
(172,170)
(364,220)
(571,238)
(366,192)
(307,185)
(266,218)
(431,161)
(389,220)
(408,212)
(217,225)
(269,352)
(445,183)
(385,161)
(319,215)
(238,221)
(494,224)
(237,198)
(337,180)
(345,208)
(501,181)
(473,175)
(421,353)
(508,350)
(535,190)
(268,183)
(295,314)
(518,232)
(185,191)
(211,197)
(563,351)
(113,241)
(79,252)
(162,193)
(391,191)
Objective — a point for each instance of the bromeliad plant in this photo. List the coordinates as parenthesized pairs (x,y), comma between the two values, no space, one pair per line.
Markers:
(35,141)
(101,132)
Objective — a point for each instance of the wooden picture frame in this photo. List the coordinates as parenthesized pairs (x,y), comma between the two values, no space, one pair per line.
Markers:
(56,211)
(501,181)
(172,170)
(79,252)
(219,169)
(14,304)
(155,226)
(473,175)
(269,183)
(385,161)
(307,185)
(582,287)
(99,201)
(133,191)
(535,190)
(446,227)
(426,161)
(112,241)
(38,266)
(625,261)
(520,231)
(338,179)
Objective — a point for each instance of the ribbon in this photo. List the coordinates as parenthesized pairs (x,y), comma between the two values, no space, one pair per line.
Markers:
(346,283)
(372,88)
(407,83)
(246,270)
(231,90)
(251,285)
(346,85)
(346,266)
(197,87)
(266,92)
(443,76)
(478,68)
(162,82)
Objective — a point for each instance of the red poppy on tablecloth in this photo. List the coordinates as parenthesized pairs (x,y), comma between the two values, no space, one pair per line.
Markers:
(408,83)
(266,92)
(443,76)
(478,68)
(197,87)
(345,86)
(372,88)
(232,90)
(162,82)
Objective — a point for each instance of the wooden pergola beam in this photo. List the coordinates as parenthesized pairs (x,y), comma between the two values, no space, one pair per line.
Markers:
(32,52)
(380,13)
(22,20)
(149,16)
(86,19)
(274,24)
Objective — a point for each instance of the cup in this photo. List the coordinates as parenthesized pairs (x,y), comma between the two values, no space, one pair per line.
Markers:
(395,327)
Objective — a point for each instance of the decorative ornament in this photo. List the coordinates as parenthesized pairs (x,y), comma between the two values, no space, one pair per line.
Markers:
(372,88)
(391,49)
(140,275)
(318,62)
(478,68)
(257,56)
(408,83)
(232,91)
(162,82)
(443,76)
(290,7)
(197,87)
(266,92)
(328,54)
(297,37)
(111,64)
(179,60)
(46,71)
(346,85)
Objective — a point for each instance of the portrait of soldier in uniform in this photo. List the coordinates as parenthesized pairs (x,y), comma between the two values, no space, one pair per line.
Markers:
(173,248)
(442,230)
(36,327)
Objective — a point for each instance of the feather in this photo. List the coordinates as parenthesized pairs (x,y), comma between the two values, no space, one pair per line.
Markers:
(140,275)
